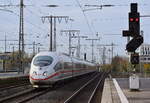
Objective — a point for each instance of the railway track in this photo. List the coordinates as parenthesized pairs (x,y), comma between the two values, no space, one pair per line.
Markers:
(96,94)
(24,96)
(87,93)
(30,95)
(37,94)
(13,86)
(57,95)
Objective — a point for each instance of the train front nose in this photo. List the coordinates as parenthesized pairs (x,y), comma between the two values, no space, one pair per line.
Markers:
(40,69)
(41,79)
(42,76)
(38,77)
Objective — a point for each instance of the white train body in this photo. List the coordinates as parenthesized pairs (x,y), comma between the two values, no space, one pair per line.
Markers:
(48,68)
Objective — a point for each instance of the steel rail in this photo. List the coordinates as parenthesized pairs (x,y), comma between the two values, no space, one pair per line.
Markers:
(16,95)
(13,86)
(96,88)
(79,90)
(33,96)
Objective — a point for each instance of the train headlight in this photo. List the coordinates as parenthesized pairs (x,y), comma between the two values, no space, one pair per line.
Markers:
(45,73)
(34,73)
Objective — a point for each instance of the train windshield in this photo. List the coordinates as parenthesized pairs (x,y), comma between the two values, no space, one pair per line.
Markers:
(43,61)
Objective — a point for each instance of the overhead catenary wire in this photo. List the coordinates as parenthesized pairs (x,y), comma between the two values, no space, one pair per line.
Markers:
(84,16)
(10,4)
(29,22)
(33,13)
(38,27)
(35,26)
(28,28)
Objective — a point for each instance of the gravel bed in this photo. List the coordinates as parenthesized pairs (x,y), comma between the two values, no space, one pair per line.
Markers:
(60,94)
(9,92)
(84,95)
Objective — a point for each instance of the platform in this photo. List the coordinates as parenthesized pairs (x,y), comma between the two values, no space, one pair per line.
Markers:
(141,96)
(117,90)
(11,75)
(109,94)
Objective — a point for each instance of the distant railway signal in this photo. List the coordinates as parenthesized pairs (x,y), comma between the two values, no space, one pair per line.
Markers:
(134,58)
(127,33)
(134,44)
(134,32)
(134,23)
(134,29)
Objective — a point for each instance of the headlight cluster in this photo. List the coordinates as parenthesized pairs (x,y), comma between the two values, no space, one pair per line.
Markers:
(34,73)
(45,73)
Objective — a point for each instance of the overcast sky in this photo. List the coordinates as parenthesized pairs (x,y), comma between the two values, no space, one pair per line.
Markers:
(105,21)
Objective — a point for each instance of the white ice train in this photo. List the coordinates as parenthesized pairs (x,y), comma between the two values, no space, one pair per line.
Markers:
(48,68)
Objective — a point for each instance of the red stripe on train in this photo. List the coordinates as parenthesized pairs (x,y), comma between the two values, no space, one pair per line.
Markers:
(55,74)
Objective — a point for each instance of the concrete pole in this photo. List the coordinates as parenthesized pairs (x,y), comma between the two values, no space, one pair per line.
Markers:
(5,43)
(51,34)
(69,43)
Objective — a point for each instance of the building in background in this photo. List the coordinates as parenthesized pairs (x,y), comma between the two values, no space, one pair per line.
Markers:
(145,53)
(145,56)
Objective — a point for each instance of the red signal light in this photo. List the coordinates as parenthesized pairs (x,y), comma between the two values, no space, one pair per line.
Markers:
(131,19)
(137,19)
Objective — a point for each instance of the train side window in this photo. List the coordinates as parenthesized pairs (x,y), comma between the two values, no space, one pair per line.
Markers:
(78,65)
(67,65)
(58,66)
(84,66)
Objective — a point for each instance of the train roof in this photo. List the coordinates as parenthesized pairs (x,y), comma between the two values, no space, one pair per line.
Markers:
(47,53)
(65,57)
